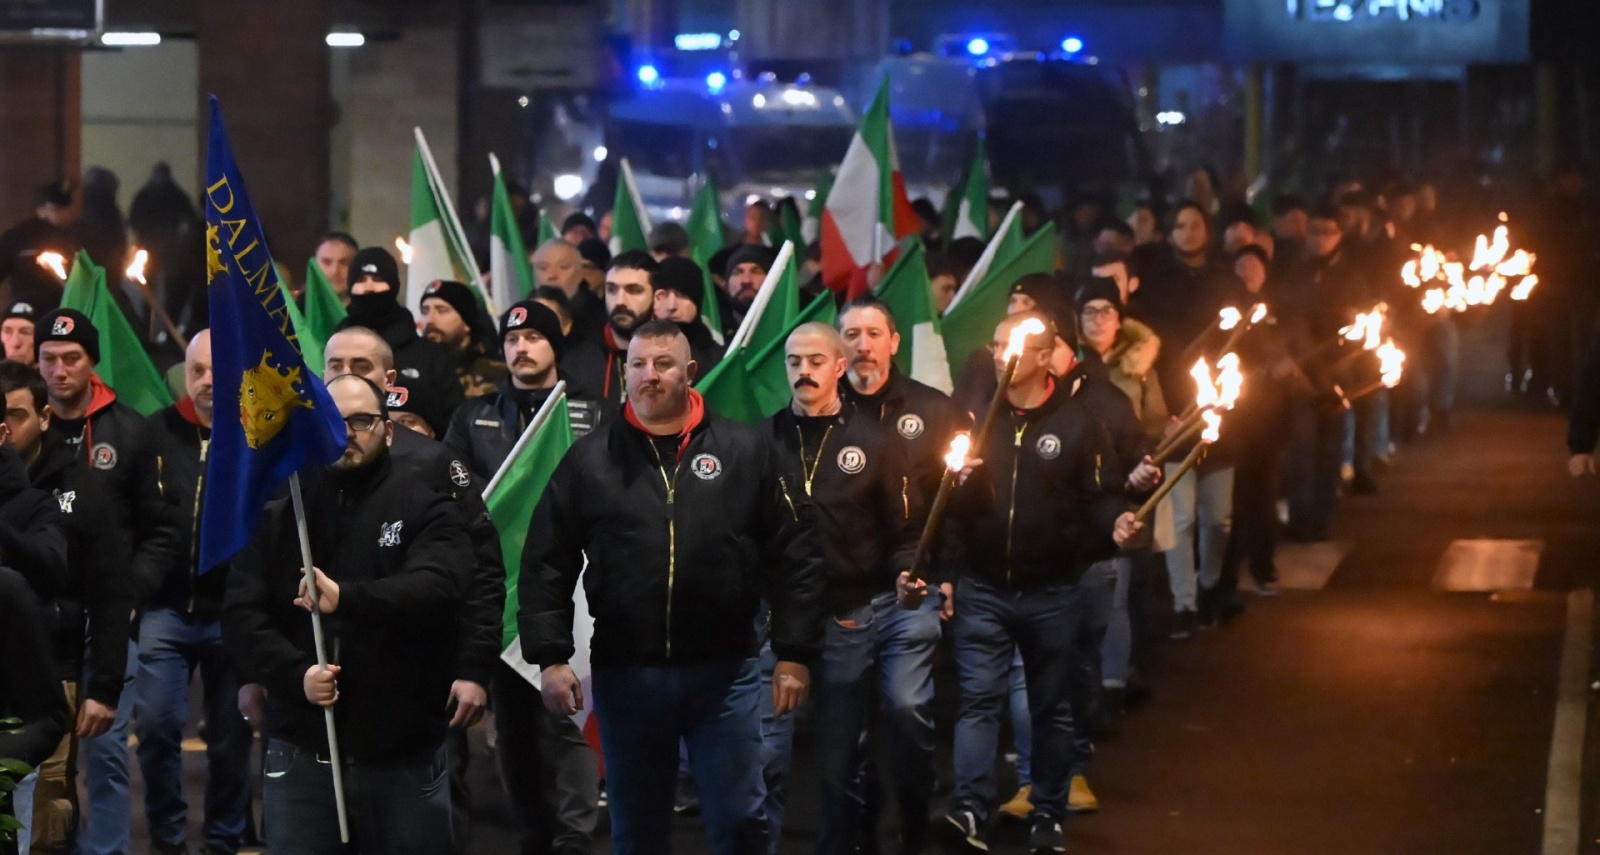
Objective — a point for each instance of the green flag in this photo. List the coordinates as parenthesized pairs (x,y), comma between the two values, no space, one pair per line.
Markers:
(970,323)
(707,236)
(630,225)
(729,388)
(909,295)
(966,211)
(320,318)
(769,379)
(438,244)
(547,229)
(521,481)
(510,277)
(124,365)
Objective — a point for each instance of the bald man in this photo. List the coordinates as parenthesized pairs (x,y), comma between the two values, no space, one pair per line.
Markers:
(868,519)
(1046,502)
(180,632)
(558,264)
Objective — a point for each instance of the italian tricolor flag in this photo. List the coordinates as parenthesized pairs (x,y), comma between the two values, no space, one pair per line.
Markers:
(438,243)
(630,224)
(510,278)
(867,210)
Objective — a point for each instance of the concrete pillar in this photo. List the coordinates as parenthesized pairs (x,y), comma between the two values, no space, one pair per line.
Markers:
(268,65)
(40,125)
(1254,121)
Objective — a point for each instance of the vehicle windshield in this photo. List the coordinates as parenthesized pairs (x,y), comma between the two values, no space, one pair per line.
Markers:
(789,153)
(653,149)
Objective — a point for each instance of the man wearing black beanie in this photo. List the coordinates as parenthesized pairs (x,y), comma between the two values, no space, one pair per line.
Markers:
(537,751)
(679,288)
(452,317)
(424,367)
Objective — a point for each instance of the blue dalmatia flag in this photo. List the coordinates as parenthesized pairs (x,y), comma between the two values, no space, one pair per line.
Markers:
(285,418)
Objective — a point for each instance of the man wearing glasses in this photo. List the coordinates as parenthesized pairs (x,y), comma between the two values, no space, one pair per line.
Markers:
(390,581)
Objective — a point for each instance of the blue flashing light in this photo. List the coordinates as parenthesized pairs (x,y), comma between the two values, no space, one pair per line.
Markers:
(648,74)
(978,47)
(716,80)
(1072,44)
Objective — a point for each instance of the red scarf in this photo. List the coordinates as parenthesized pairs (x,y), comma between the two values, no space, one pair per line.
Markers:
(697,414)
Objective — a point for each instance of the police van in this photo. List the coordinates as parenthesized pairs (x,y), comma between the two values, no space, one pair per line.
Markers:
(753,137)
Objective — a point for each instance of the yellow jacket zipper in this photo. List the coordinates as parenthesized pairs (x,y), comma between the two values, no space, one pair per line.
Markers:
(672,535)
(194,533)
(1011,512)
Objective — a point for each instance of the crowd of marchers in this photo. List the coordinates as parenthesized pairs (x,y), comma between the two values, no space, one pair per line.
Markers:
(738,581)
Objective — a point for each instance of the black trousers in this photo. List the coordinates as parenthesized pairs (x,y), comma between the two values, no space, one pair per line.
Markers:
(1254,538)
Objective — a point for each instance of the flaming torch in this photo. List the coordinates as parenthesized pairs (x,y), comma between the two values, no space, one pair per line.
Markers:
(1391,362)
(1258,313)
(53,262)
(1209,399)
(1012,355)
(405,249)
(954,461)
(135,273)
(1457,286)
(1213,425)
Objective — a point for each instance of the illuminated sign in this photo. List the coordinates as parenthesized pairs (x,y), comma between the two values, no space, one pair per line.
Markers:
(1347,11)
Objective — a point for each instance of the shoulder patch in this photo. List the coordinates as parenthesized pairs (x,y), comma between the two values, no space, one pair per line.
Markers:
(910,425)
(706,467)
(852,460)
(389,533)
(458,474)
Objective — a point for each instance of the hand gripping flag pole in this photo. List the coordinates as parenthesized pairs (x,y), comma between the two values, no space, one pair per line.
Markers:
(322,653)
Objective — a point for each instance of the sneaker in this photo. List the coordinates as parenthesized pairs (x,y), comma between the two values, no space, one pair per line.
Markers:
(1183,625)
(1081,799)
(686,801)
(960,831)
(1269,588)
(1046,836)
(1108,713)
(1021,806)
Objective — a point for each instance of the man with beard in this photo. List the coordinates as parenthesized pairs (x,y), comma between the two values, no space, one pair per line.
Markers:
(679,288)
(451,317)
(558,263)
(747,269)
(595,365)
(388,571)
(424,367)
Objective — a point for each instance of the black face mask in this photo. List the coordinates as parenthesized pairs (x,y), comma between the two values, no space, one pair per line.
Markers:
(372,305)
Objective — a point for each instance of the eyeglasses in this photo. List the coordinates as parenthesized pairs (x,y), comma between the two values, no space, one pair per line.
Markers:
(361,422)
(1102,312)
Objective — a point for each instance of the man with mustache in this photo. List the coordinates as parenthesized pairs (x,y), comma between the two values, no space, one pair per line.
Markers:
(595,364)
(869,518)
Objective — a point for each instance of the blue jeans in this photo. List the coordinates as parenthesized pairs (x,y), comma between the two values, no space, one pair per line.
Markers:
(398,806)
(1044,626)
(22,808)
(644,712)
(1021,724)
(884,661)
(108,809)
(171,646)
(1202,511)
(777,741)
(1116,650)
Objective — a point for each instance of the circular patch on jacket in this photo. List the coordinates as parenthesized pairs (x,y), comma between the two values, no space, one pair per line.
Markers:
(458,474)
(852,460)
(103,455)
(910,426)
(705,466)
(1048,446)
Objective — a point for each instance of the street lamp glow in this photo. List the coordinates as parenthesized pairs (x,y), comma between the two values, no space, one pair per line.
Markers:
(716,80)
(568,186)
(346,40)
(600,153)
